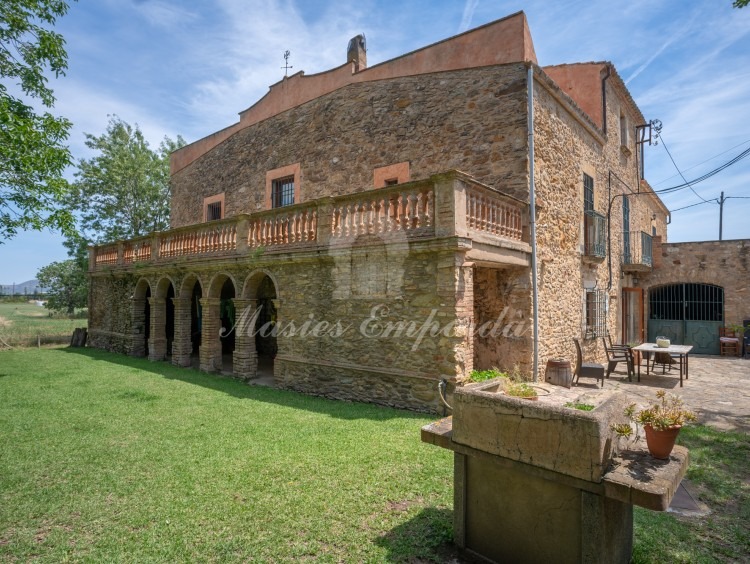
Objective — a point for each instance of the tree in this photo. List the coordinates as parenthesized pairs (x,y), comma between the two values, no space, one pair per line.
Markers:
(33,155)
(740,3)
(66,284)
(124,191)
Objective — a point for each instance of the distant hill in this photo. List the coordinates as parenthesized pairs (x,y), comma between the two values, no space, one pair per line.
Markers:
(27,288)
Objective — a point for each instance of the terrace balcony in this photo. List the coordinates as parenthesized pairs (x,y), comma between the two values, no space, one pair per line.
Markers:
(452,207)
(636,251)
(595,230)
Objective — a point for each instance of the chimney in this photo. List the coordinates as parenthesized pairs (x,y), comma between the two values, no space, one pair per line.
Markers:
(356,52)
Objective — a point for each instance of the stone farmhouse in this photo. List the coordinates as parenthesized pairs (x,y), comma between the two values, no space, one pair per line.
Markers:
(365,232)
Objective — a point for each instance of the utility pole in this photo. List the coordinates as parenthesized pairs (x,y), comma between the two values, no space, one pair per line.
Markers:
(721,213)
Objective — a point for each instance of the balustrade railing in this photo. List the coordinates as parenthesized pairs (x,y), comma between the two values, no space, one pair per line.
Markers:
(384,211)
(409,209)
(282,227)
(209,238)
(490,212)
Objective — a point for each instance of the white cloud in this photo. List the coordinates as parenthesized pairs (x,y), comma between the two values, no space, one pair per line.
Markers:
(469,9)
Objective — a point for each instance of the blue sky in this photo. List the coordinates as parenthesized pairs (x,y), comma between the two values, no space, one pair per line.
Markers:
(188,67)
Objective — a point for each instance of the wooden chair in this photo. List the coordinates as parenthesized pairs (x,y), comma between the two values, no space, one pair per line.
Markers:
(665,359)
(587,369)
(729,342)
(617,354)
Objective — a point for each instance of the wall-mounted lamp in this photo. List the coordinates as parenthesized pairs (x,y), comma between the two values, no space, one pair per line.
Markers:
(589,284)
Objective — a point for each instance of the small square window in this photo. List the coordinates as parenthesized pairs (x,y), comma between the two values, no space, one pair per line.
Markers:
(213,211)
(213,207)
(282,192)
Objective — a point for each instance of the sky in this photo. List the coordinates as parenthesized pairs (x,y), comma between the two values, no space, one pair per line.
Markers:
(188,67)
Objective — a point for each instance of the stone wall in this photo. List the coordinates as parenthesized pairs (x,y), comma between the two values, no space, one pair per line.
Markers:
(567,145)
(502,319)
(722,263)
(378,321)
(472,120)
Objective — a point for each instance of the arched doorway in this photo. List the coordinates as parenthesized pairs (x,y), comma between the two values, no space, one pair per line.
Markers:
(258,317)
(688,314)
(188,317)
(218,339)
(266,343)
(141,318)
(162,321)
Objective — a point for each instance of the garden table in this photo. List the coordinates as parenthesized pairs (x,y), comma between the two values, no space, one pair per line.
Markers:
(679,351)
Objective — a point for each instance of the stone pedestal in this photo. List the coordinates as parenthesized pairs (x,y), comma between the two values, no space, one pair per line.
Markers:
(535,481)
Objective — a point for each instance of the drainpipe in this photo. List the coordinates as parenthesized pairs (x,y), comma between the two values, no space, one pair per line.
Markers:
(532,220)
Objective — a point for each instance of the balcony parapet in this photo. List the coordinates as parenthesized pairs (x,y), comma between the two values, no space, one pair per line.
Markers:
(446,205)
(636,251)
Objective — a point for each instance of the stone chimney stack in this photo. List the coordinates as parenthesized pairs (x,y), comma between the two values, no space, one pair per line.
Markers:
(356,52)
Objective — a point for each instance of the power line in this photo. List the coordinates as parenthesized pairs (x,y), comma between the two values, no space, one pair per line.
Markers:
(706,176)
(663,144)
(714,201)
(704,162)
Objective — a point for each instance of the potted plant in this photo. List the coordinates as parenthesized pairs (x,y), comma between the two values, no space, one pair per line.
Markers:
(661,421)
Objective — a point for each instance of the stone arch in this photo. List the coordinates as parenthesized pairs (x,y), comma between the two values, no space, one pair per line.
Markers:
(253,281)
(162,319)
(217,283)
(140,318)
(162,286)
(188,320)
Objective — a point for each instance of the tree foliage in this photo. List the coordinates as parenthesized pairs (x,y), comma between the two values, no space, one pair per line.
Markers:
(124,190)
(740,3)
(66,284)
(33,154)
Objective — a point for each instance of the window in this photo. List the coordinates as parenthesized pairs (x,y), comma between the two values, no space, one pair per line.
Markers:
(213,207)
(391,175)
(588,193)
(595,314)
(283,186)
(282,192)
(624,133)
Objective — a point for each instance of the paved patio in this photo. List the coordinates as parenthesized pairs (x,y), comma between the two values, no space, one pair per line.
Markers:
(718,389)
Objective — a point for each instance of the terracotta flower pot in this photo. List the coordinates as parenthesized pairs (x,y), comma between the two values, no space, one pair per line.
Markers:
(661,443)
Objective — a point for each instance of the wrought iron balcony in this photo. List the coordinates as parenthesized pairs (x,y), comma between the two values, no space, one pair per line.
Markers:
(636,251)
(595,228)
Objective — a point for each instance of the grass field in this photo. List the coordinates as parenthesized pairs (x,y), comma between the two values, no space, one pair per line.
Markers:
(20,323)
(108,458)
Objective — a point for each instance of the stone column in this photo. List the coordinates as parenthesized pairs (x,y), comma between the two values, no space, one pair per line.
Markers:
(138,328)
(210,349)
(182,346)
(245,358)
(157,342)
(455,285)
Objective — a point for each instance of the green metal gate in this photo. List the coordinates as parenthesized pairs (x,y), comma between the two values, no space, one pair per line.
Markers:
(687,314)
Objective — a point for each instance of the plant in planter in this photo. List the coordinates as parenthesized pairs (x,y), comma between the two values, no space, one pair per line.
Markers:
(520,390)
(661,421)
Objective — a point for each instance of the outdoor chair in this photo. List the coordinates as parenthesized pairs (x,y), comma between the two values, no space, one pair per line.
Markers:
(617,354)
(587,369)
(729,342)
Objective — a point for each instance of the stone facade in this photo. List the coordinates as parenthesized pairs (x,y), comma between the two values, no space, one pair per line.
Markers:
(721,263)
(400,286)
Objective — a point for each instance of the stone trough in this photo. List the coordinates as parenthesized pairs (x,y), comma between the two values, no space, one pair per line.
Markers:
(536,481)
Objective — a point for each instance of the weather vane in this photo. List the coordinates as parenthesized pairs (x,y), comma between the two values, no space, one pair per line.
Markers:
(286,66)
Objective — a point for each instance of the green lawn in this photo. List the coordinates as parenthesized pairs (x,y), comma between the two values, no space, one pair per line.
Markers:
(20,323)
(107,458)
